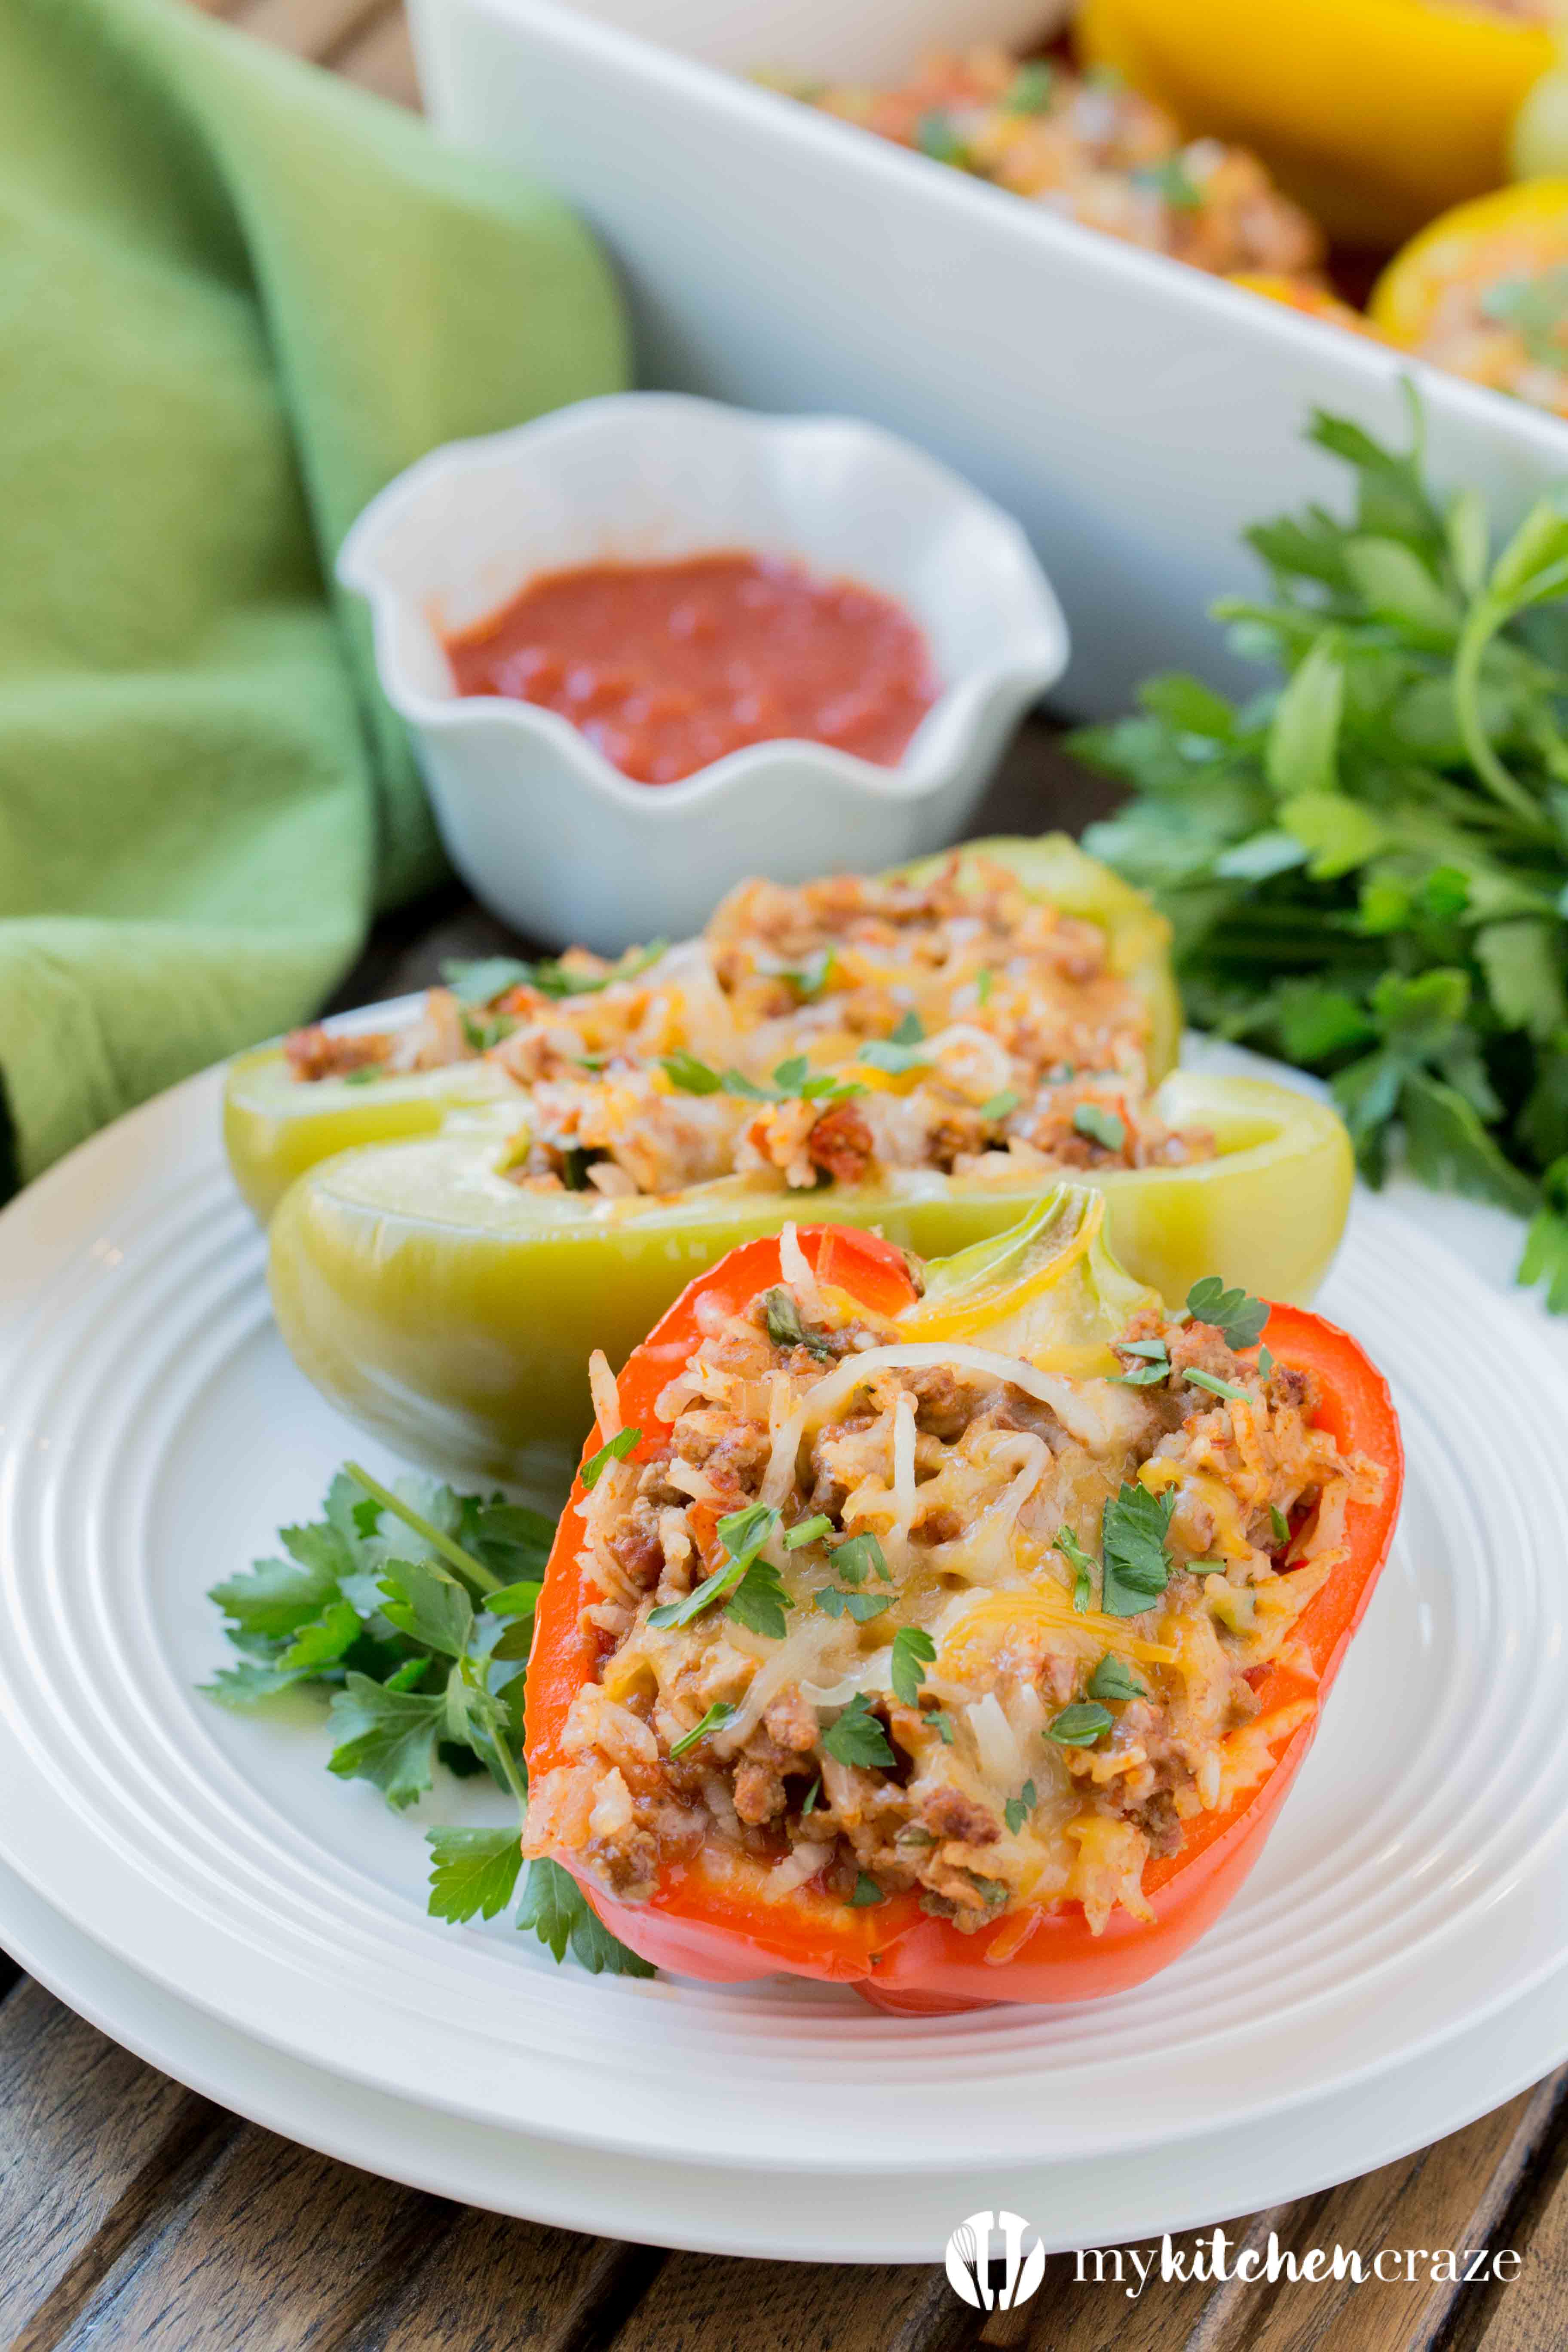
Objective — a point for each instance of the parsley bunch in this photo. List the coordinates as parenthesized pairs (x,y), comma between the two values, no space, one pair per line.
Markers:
(1367,866)
(413,1607)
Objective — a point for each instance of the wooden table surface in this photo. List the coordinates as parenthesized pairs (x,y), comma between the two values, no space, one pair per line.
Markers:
(134,2213)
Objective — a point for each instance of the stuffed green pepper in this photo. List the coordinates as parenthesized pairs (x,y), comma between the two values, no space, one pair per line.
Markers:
(926,1053)
(505,1023)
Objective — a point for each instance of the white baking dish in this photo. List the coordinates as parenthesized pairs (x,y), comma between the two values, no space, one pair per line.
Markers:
(1133,414)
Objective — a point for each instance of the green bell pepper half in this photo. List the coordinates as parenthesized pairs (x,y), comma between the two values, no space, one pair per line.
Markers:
(452,1314)
(277,1126)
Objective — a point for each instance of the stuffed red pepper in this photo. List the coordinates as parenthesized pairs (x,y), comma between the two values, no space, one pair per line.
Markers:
(951,1630)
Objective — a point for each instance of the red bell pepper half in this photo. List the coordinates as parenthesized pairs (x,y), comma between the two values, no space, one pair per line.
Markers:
(710,1918)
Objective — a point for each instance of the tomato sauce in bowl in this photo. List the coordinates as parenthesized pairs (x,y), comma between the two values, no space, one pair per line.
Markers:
(669,667)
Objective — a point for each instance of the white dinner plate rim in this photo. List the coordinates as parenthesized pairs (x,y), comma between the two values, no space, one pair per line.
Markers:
(511,2172)
(191,1099)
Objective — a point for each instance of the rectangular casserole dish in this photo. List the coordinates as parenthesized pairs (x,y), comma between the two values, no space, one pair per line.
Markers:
(1132,412)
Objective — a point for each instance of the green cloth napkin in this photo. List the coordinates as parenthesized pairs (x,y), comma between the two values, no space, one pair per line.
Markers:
(236,297)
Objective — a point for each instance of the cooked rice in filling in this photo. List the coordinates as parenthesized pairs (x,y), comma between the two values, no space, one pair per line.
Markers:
(981,1781)
(828,1033)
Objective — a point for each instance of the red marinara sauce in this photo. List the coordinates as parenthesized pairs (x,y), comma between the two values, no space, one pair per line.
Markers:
(667,667)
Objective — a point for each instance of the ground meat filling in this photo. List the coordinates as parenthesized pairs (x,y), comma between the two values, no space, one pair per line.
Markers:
(919,1682)
(834,1034)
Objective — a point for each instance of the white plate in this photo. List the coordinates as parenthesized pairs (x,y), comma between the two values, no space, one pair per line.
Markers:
(154,1434)
(823,2216)
(1133,414)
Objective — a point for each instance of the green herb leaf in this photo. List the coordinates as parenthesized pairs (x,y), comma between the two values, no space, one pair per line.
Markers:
(554,1907)
(1279,1524)
(1134,1530)
(1211,1382)
(940,1722)
(1238,1318)
(861,1606)
(860,1557)
(473,1873)
(614,1449)
(913,1652)
(1101,1125)
(1112,1682)
(1076,1558)
(808,1531)
(385,1736)
(1080,1726)
(857,1736)
(1000,1106)
(717,1716)
(808,1803)
(867,1891)
(1029,91)
(781,1314)
(742,1535)
(760,1601)
(689,1075)
(1016,1810)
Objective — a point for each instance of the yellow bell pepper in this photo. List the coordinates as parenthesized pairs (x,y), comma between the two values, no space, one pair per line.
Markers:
(277,1126)
(1460,293)
(439,1305)
(1374,114)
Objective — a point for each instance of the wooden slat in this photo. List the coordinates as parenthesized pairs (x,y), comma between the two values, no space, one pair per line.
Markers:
(703,2304)
(91,2140)
(1453,2194)
(1532,2309)
(273,2249)
(309,28)
(381,59)
(498,2285)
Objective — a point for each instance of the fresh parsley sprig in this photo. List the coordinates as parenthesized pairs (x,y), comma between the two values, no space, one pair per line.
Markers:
(1366,866)
(412,1606)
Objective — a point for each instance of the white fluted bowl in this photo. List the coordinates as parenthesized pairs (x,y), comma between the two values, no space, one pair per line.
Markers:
(547,832)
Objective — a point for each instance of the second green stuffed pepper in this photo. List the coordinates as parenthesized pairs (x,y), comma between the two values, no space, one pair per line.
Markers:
(926,1053)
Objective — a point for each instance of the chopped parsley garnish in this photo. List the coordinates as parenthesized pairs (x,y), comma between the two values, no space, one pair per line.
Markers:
(1101,1125)
(1171,180)
(689,1075)
(808,1531)
(1133,1540)
(1265,1363)
(361,1077)
(852,1560)
(1078,1560)
(867,1891)
(937,136)
(781,1313)
(1080,1726)
(717,1716)
(1029,91)
(861,1606)
(857,1737)
(492,976)
(1112,1681)
(1279,1523)
(1000,1106)
(1206,1567)
(1155,1365)
(1016,1810)
(792,1078)
(985,982)
(614,1450)
(808,1803)
(1236,1317)
(742,1535)
(760,1601)
(1211,1382)
(913,1652)
(903,1051)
